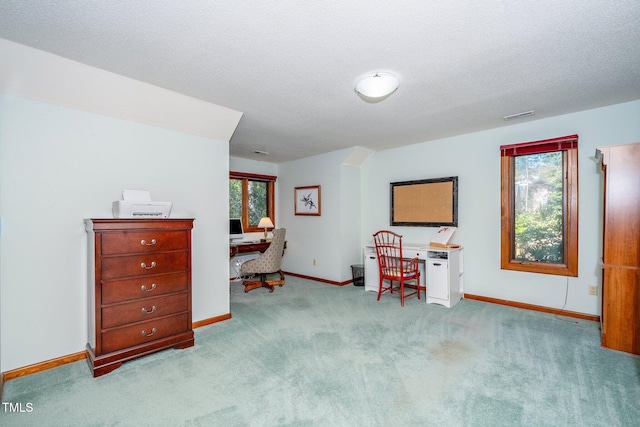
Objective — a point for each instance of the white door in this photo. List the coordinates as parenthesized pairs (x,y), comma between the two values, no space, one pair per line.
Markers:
(371,271)
(438,279)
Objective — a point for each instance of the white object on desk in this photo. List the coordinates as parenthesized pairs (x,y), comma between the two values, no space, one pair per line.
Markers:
(138,204)
(442,237)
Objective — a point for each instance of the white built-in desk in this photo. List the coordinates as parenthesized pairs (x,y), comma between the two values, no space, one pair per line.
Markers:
(441,271)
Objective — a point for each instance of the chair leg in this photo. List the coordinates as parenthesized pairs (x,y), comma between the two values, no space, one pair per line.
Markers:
(401,289)
(250,285)
(263,282)
(281,278)
(268,286)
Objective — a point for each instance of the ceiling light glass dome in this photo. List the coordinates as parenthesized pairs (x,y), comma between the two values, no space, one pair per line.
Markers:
(377,86)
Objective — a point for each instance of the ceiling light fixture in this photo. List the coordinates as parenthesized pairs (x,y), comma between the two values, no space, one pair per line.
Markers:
(374,87)
(519,115)
(264,153)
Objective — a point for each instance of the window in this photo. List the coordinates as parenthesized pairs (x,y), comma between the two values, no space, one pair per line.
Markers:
(251,197)
(539,198)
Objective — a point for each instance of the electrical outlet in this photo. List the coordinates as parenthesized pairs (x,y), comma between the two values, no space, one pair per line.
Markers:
(314,262)
(593,289)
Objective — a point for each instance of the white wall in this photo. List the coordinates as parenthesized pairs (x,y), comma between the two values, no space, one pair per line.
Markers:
(475,159)
(350,219)
(35,74)
(59,165)
(332,239)
(252,166)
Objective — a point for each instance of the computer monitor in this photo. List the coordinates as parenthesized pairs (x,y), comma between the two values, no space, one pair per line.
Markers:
(236,231)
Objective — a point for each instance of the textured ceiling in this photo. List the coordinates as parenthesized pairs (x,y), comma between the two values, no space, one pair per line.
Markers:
(290,66)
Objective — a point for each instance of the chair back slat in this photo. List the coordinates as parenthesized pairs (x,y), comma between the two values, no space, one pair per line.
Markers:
(389,251)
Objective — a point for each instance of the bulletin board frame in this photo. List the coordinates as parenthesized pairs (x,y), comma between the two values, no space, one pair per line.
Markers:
(425,202)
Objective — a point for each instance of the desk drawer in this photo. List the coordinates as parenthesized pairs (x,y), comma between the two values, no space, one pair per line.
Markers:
(143,287)
(143,265)
(144,309)
(143,332)
(125,242)
(421,255)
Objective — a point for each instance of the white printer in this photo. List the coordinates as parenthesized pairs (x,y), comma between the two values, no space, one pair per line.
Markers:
(138,204)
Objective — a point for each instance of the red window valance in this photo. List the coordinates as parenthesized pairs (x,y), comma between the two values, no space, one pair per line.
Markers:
(252,176)
(543,146)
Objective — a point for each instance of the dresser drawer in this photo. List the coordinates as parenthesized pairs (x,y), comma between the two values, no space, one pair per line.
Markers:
(143,332)
(143,287)
(144,309)
(143,265)
(125,242)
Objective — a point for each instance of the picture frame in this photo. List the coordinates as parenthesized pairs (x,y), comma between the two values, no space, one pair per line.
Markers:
(425,202)
(307,200)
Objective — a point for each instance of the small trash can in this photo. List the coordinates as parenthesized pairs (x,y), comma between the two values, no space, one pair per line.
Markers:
(358,274)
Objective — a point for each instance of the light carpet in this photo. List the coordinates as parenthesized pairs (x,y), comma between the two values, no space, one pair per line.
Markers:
(312,354)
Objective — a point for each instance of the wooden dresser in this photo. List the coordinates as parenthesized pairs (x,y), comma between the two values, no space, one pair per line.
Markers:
(139,289)
(621,247)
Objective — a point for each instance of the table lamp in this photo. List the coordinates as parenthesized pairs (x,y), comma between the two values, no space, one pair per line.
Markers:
(265,223)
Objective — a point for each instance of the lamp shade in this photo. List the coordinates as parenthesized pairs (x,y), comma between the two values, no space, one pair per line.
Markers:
(265,223)
(377,85)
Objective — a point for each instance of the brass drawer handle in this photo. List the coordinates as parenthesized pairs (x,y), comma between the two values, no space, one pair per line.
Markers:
(145,311)
(144,287)
(153,331)
(143,265)
(144,242)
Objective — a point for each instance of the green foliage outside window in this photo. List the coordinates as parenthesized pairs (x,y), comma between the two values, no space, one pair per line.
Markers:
(539,192)
(257,202)
(257,196)
(235,198)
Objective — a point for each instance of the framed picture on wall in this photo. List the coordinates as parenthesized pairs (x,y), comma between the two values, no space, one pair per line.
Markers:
(307,200)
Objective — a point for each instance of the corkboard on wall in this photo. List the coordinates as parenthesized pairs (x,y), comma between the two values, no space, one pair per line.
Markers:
(429,202)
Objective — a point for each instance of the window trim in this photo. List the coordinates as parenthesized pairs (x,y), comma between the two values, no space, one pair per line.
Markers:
(569,144)
(245,177)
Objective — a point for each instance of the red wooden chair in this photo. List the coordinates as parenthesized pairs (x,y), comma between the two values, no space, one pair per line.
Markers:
(393,266)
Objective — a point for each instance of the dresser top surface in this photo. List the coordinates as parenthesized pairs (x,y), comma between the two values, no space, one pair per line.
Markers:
(105,224)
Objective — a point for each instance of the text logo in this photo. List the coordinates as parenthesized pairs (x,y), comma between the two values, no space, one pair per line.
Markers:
(17,407)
